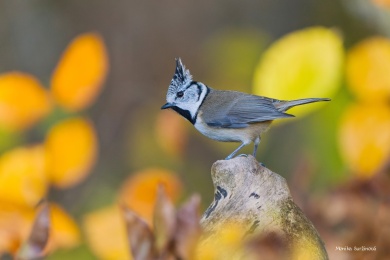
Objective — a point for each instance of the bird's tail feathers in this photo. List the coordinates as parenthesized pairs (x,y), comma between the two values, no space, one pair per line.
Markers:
(286,105)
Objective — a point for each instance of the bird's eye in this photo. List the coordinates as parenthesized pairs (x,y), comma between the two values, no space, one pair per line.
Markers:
(180,94)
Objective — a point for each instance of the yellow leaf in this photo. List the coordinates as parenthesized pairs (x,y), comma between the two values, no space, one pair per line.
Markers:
(71,150)
(226,243)
(368,66)
(303,64)
(22,176)
(23,100)
(140,190)
(106,234)
(365,138)
(171,133)
(64,231)
(80,74)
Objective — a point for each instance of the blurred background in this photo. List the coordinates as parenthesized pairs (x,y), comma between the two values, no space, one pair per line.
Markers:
(82,83)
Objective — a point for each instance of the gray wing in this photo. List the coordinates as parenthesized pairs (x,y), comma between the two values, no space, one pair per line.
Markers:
(241,109)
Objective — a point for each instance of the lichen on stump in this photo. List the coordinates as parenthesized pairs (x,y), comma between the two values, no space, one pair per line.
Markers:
(259,201)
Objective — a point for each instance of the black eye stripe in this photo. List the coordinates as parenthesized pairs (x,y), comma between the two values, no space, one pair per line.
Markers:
(192,83)
(199,90)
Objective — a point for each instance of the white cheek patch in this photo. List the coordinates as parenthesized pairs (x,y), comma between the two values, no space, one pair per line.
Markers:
(191,107)
(194,107)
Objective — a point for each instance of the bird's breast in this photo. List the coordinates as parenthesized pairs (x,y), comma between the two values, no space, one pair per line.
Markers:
(244,135)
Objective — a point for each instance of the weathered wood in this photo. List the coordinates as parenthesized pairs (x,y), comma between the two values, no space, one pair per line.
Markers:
(259,200)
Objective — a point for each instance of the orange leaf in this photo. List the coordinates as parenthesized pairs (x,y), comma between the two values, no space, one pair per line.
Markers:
(80,74)
(14,226)
(382,3)
(23,100)
(71,150)
(106,234)
(365,138)
(368,66)
(22,176)
(140,190)
(171,133)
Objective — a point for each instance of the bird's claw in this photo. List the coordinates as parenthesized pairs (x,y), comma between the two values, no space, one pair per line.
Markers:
(240,155)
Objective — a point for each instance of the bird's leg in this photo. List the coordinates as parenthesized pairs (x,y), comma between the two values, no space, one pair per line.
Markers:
(235,151)
(257,141)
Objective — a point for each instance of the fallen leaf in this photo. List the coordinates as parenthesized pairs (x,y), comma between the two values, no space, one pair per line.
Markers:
(34,247)
(141,238)
(164,220)
(188,229)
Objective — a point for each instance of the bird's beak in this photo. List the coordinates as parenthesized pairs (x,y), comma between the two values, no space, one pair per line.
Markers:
(167,105)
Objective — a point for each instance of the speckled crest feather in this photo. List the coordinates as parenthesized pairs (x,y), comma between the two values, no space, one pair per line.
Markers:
(181,78)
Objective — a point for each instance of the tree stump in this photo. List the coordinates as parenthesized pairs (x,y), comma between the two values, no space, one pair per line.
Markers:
(259,200)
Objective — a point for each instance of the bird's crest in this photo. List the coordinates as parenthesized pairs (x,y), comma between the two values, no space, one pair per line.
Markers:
(181,78)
